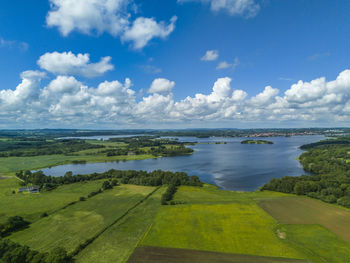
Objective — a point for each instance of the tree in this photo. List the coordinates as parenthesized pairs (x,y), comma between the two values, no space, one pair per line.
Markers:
(58,255)
(106,185)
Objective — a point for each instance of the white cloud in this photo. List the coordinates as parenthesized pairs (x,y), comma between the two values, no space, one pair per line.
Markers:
(265,97)
(225,65)
(110,16)
(22,46)
(88,16)
(210,55)
(67,102)
(144,29)
(246,8)
(67,63)
(302,92)
(161,85)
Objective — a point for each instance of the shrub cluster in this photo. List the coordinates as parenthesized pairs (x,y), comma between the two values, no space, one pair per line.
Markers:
(11,252)
(169,194)
(13,224)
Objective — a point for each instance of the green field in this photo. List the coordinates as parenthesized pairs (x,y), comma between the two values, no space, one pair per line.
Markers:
(175,255)
(233,224)
(206,224)
(302,210)
(120,240)
(317,243)
(70,227)
(31,206)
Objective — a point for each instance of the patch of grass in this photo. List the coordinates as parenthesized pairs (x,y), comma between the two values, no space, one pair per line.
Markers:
(210,194)
(317,243)
(119,241)
(234,224)
(31,206)
(72,226)
(302,210)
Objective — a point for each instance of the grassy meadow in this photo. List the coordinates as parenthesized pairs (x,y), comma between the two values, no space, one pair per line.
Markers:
(119,241)
(206,224)
(318,244)
(31,206)
(216,220)
(302,210)
(72,226)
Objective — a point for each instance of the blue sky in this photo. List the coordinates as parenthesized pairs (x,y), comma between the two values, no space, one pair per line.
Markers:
(159,45)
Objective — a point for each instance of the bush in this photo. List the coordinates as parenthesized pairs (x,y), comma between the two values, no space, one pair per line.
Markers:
(82,198)
(44,215)
(13,224)
(344,201)
(106,185)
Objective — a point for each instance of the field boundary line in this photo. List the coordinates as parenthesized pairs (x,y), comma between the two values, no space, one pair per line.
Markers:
(89,241)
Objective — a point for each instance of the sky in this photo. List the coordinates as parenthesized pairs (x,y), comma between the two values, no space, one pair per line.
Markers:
(116,64)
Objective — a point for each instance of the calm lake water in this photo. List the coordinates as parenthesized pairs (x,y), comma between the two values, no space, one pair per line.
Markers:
(231,166)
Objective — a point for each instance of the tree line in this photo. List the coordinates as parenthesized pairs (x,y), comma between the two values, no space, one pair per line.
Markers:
(154,178)
(26,147)
(329,168)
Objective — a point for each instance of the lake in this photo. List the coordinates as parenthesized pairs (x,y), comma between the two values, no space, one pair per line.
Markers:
(231,166)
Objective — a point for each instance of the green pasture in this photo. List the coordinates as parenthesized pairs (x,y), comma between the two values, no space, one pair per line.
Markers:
(31,206)
(119,241)
(216,220)
(303,210)
(70,227)
(317,243)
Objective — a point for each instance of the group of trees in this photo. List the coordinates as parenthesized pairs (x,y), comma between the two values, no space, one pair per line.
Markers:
(11,252)
(35,147)
(329,166)
(154,178)
(169,194)
(13,224)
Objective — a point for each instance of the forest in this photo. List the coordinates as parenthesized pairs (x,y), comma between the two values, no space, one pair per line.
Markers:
(328,165)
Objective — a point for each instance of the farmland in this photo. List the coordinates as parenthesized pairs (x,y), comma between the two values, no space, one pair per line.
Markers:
(205,222)
(72,226)
(118,242)
(31,206)
(309,211)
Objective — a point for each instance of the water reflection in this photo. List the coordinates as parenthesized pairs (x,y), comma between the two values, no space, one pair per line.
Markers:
(232,166)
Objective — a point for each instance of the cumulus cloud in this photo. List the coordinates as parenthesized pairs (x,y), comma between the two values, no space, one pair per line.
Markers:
(210,55)
(88,16)
(111,16)
(144,29)
(66,101)
(246,8)
(67,63)
(225,65)
(161,85)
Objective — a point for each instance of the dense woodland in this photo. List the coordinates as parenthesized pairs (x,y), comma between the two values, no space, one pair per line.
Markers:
(328,163)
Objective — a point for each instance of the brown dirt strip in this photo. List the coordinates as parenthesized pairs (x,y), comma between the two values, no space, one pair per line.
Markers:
(175,255)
